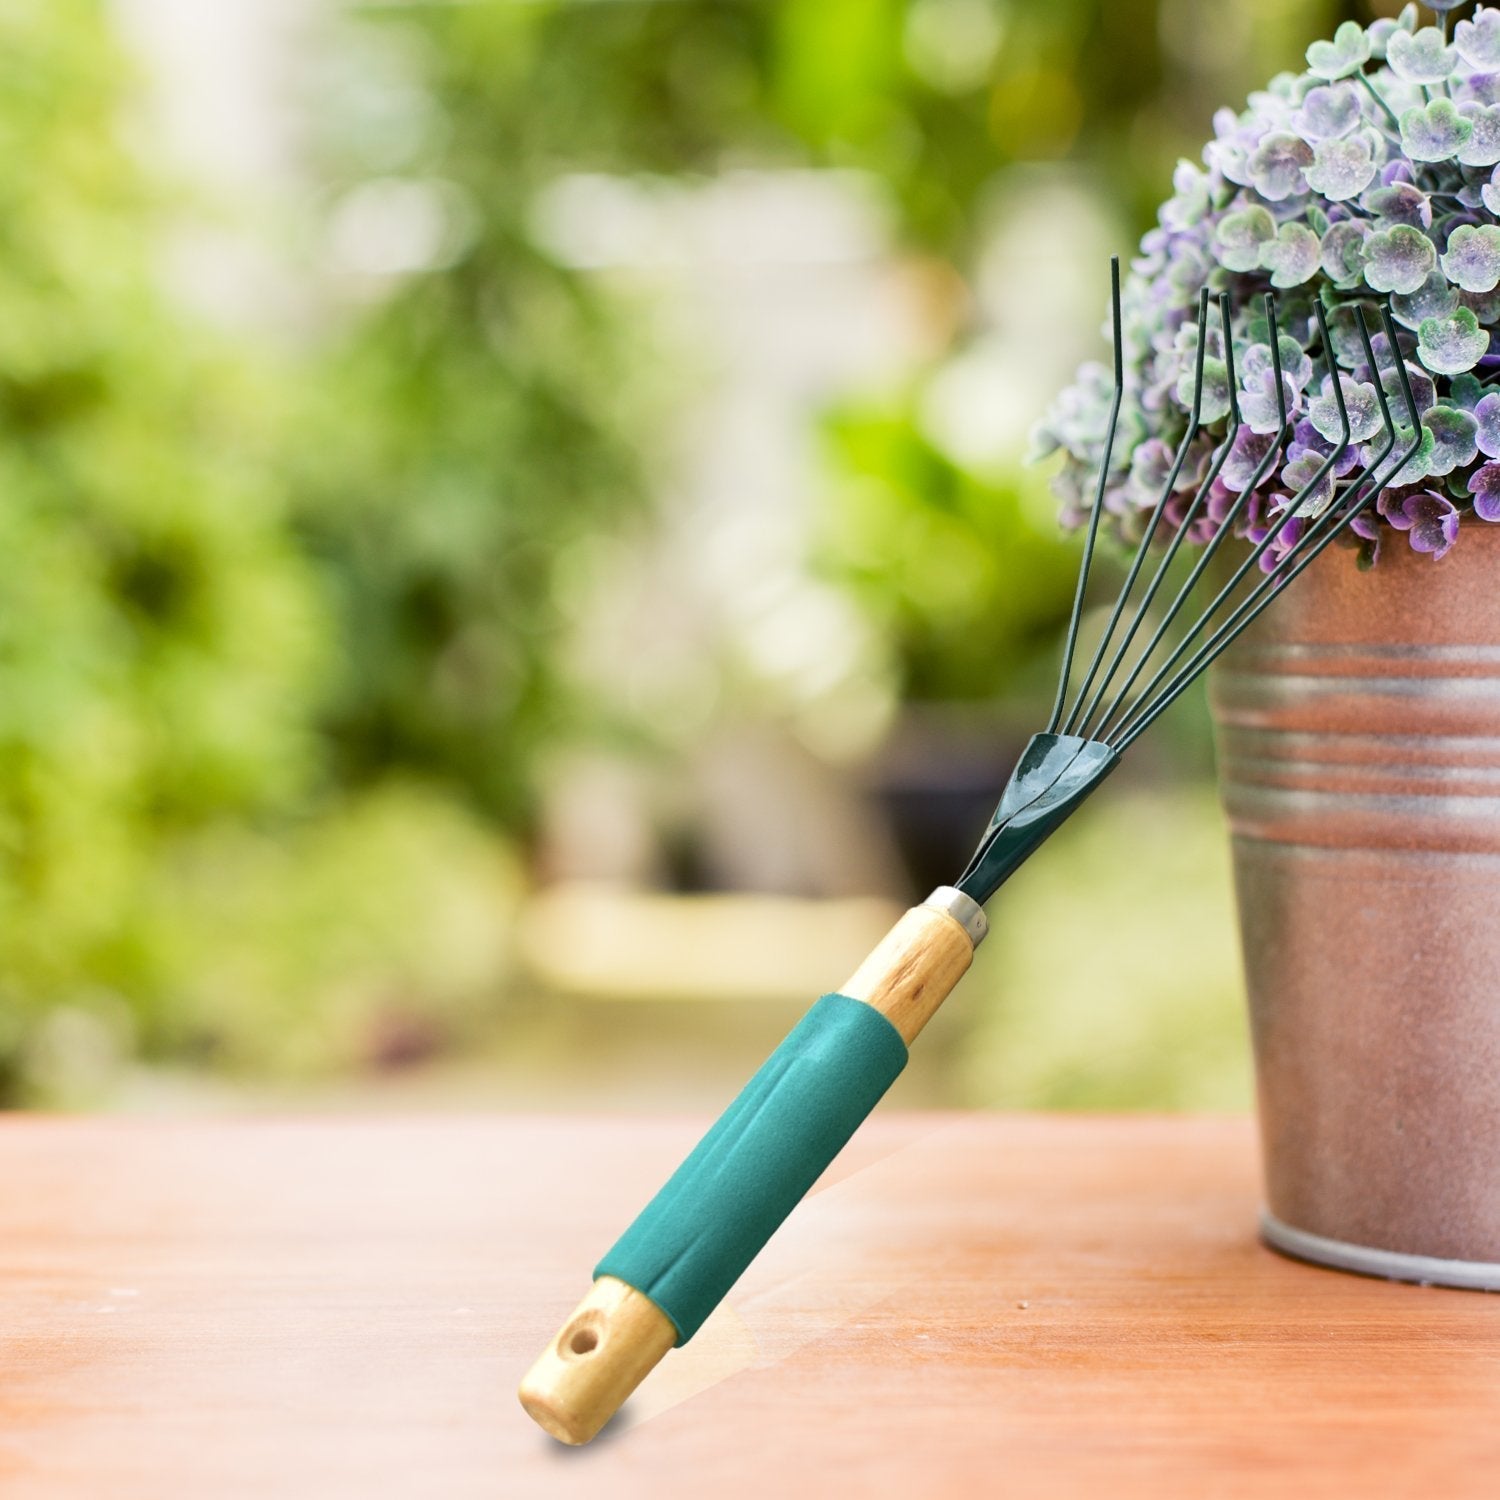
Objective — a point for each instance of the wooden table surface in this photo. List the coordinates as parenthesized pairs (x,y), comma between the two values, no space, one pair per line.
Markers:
(974,1305)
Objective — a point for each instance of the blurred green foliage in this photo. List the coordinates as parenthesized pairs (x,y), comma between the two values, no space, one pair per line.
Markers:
(184,869)
(503,379)
(280,648)
(472,424)
(1111,993)
(964,576)
(159,628)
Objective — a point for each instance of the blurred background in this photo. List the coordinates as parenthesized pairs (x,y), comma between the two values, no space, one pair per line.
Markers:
(515,557)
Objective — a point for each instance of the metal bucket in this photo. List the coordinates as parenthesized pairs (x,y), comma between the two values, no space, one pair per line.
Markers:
(1358,729)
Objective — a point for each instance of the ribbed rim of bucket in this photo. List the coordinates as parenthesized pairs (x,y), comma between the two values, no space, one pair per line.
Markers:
(1393,1265)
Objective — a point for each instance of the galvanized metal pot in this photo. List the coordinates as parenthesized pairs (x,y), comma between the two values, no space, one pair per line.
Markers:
(1358,729)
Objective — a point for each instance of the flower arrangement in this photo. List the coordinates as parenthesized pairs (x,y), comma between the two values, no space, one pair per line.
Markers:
(1375,174)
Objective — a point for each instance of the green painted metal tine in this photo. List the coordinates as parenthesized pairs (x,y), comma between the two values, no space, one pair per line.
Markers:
(1093,531)
(1221,530)
(1122,708)
(1221,456)
(1168,486)
(1339,514)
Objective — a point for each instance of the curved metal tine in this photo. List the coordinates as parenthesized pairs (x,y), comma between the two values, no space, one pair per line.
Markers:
(1121,713)
(1332,520)
(1168,486)
(1226,523)
(1093,531)
(1341,516)
(1201,494)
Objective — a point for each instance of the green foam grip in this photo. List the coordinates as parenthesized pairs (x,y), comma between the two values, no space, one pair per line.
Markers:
(694,1239)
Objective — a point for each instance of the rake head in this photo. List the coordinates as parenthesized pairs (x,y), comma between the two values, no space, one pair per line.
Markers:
(1094,720)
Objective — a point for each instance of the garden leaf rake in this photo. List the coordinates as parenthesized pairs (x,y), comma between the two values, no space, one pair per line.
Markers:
(677,1261)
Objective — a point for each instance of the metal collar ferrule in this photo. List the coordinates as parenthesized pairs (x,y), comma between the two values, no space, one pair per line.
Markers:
(964,910)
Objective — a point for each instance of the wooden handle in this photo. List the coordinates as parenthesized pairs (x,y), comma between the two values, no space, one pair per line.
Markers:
(617,1335)
(614,1339)
(913,969)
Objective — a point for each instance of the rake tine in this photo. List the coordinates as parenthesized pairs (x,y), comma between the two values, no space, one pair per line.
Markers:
(1310,545)
(1224,527)
(1166,494)
(1093,531)
(1120,708)
(1220,457)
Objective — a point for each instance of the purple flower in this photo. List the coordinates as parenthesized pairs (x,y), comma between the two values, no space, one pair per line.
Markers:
(1310,190)
(1435,298)
(1288,530)
(1368,530)
(1327,113)
(1294,255)
(1451,345)
(1149,466)
(1487,416)
(1472,259)
(1423,389)
(1300,476)
(1296,367)
(1259,407)
(1248,453)
(1398,259)
(1398,202)
(1435,131)
(1347,53)
(1419,465)
(1239,236)
(1455,439)
(1482,149)
(1277,164)
(1430,519)
(1343,253)
(1421,56)
(1219,502)
(1342,169)
(1361,405)
(1489,192)
(1482,88)
(1477,42)
(1485,484)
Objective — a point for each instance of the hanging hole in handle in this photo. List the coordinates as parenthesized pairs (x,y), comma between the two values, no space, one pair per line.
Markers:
(580,1340)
